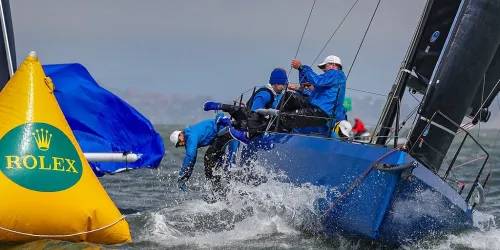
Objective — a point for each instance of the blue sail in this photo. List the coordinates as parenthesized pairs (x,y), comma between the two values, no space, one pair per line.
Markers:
(102,122)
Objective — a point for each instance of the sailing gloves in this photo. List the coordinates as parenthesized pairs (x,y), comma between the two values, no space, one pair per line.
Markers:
(223,121)
(184,175)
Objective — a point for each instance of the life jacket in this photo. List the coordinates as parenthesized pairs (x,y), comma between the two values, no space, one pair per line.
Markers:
(267,88)
(359,126)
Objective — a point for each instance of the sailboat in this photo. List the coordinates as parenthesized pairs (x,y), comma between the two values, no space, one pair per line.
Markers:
(114,135)
(399,195)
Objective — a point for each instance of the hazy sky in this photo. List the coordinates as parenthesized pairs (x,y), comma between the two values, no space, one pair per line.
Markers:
(214,47)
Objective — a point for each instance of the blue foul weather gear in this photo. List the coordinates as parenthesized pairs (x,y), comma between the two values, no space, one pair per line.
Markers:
(200,135)
(329,88)
(264,97)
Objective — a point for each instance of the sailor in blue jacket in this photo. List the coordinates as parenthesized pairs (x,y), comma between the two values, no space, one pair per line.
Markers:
(305,87)
(193,137)
(329,87)
(266,97)
(305,90)
(326,99)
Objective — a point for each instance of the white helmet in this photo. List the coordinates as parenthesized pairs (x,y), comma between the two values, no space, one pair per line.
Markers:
(174,137)
(343,128)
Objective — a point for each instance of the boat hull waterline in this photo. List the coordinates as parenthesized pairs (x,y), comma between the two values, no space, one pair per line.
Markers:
(371,192)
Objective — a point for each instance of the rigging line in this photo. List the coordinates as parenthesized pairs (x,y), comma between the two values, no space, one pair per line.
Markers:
(326,44)
(368,92)
(364,36)
(498,134)
(280,104)
(477,159)
(303,33)
(340,24)
(396,128)
(491,159)
(403,123)
(246,91)
(416,99)
(483,103)
(480,114)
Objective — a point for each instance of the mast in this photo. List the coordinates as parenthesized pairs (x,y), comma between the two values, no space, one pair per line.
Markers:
(7,47)
(469,49)
(420,59)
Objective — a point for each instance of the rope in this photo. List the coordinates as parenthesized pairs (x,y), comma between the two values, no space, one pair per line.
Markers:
(281,104)
(368,92)
(490,162)
(63,235)
(359,48)
(302,37)
(327,42)
(358,180)
(479,111)
(465,163)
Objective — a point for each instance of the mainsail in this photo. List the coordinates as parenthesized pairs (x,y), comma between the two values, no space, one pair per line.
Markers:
(102,122)
(466,57)
(421,58)
(486,92)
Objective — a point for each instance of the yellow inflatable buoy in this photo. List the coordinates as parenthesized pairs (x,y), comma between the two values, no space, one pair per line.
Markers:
(48,189)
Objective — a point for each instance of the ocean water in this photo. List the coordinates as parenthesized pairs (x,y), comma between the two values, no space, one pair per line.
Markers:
(163,217)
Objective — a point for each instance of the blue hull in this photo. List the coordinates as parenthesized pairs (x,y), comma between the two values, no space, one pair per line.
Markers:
(394,207)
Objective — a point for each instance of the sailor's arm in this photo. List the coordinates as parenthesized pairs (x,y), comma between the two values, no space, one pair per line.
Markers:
(260,100)
(306,92)
(316,80)
(189,159)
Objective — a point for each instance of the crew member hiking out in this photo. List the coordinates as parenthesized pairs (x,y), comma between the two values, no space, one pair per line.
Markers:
(265,97)
(305,91)
(328,94)
(326,100)
(305,87)
(200,135)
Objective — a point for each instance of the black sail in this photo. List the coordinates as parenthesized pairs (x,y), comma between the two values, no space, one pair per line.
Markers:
(7,60)
(469,49)
(487,91)
(422,56)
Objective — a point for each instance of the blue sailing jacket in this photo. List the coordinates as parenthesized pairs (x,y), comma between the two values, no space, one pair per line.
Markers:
(262,99)
(303,79)
(324,94)
(199,135)
(306,92)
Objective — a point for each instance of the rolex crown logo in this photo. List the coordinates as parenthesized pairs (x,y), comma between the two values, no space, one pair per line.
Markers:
(42,139)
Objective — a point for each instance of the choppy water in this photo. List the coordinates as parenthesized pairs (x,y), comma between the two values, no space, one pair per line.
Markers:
(268,217)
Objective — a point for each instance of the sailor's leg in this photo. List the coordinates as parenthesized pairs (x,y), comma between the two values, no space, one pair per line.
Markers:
(210,160)
(214,154)
(302,118)
(292,101)
(236,112)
